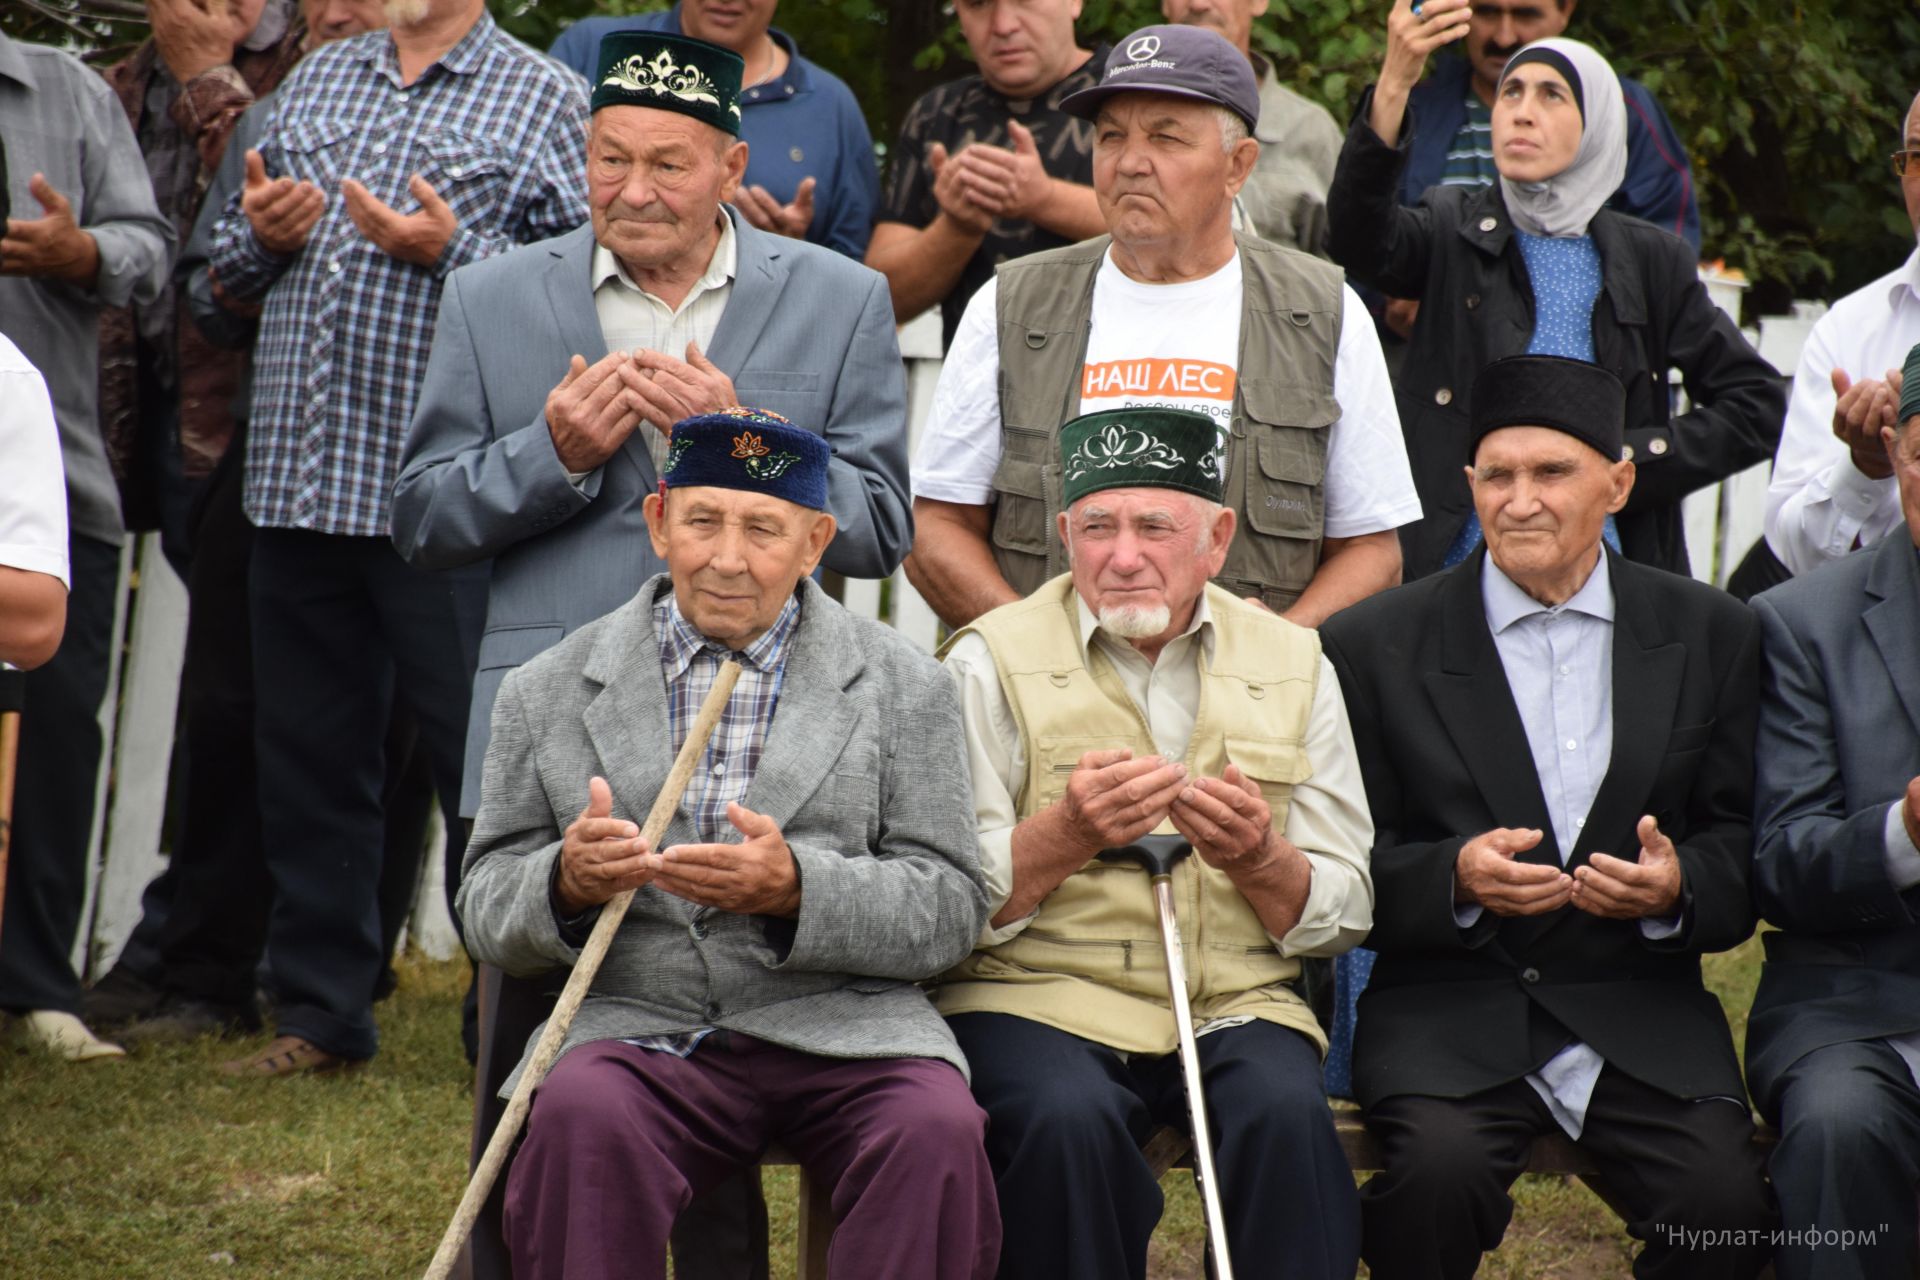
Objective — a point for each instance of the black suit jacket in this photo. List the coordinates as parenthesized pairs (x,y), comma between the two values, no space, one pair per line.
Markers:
(1839,740)
(1453,1011)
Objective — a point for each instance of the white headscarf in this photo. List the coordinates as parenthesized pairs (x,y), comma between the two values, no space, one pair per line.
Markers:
(1564,204)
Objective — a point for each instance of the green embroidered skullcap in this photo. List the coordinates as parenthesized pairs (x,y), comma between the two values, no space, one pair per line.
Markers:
(1910,385)
(1148,448)
(672,73)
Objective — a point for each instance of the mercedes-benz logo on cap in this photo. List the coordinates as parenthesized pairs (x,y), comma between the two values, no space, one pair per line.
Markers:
(1143,48)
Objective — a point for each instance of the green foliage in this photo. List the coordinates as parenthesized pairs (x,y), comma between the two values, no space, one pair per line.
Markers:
(1788,110)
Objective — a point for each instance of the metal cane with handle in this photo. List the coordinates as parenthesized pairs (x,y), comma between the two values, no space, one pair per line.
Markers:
(1159,855)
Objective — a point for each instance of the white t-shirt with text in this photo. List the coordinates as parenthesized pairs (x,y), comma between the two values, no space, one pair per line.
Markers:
(1175,345)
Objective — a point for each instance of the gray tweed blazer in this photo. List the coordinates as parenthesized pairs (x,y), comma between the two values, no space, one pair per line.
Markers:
(865,771)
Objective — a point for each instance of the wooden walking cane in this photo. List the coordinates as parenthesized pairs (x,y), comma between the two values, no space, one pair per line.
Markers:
(13,697)
(578,981)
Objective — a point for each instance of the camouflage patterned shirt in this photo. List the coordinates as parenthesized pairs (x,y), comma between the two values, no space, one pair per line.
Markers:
(961,113)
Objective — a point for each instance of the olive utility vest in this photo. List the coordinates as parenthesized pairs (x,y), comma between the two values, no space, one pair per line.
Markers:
(1283,406)
(1091,962)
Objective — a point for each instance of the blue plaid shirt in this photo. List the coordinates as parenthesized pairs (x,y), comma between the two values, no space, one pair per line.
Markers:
(500,132)
(691,662)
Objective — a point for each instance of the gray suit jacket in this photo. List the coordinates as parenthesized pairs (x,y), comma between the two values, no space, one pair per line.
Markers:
(806,333)
(865,771)
(1839,740)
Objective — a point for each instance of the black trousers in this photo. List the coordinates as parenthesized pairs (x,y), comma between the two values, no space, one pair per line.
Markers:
(1066,1118)
(53,792)
(1683,1168)
(205,919)
(1848,1165)
(340,624)
(722,1235)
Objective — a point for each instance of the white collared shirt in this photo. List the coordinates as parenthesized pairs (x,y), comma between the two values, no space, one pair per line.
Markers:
(632,318)
(1818,504)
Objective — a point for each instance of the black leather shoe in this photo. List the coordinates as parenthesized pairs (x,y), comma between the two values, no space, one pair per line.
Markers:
(182,1020)
(121,997)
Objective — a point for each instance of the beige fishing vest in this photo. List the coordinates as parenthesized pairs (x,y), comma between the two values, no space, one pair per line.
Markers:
(1282,409)
(1091,962)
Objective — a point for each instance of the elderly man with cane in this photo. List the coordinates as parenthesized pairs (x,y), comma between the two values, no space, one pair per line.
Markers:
(1122,698)
(761,987)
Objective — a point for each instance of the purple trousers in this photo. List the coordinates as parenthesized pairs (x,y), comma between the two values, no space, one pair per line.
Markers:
(621,1138)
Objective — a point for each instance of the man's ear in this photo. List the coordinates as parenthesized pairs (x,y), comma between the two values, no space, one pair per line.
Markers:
(1225,520)
(655,509)
(1623,474)
(734,161)
(1246,153)
(819,534)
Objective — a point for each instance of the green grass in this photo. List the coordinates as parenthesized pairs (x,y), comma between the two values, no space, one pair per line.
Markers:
(159,1168)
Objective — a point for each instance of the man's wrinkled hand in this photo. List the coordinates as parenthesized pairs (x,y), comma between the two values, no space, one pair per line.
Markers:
(950,193)
(601,856)
(1227,821)
(52,247)
(759,207)
(419,238)
(194,36)
(1860,410)
(1486,873)
(755,877)
(594,409)
(1006,182)
(673,389)
(281,212)
(1113,799)
(1648,888)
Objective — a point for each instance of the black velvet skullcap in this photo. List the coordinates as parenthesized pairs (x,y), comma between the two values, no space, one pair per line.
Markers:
(1581,399)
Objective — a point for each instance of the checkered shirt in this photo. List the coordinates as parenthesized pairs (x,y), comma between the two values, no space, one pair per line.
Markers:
(500,132)
(691,663)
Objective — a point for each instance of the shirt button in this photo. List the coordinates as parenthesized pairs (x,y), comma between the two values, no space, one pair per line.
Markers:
(1443,396)
(1473,301)
(379,148)
(719,771)
(401,96)
(1529,975)
(1656,446)
(1626,452)
(699,930)
(1572,745)
(334,266)
(1488,224)
(1564,669)
(713,1011)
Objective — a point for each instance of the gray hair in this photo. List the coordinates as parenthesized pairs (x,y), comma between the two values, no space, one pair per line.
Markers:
(1233,129)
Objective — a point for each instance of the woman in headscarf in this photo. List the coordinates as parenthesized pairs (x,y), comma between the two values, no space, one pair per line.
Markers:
(1537,264)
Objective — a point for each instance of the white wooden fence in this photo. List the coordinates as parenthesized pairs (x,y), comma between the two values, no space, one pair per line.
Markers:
(139,714)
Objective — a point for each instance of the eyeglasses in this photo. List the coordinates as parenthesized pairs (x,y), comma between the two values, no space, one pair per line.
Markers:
(1902,159)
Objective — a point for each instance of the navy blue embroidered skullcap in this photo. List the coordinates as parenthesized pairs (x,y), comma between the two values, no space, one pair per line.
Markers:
(752,449)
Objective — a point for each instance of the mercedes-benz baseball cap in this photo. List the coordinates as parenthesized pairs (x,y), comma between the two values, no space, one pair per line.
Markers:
(1187,62)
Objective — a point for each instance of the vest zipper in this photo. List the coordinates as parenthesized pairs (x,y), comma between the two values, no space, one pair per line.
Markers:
(1058,940)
